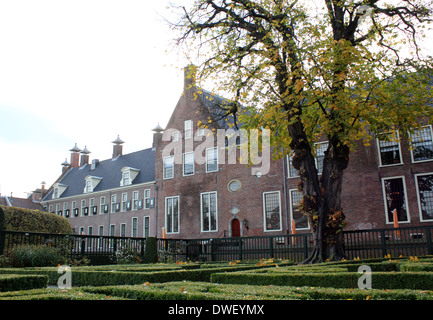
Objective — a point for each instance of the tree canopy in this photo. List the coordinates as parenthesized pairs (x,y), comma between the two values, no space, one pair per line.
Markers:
(340,70)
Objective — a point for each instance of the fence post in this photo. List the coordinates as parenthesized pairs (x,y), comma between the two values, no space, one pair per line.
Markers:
(271,247)
(383,242)
(429,241)
(240,249)
(305,246)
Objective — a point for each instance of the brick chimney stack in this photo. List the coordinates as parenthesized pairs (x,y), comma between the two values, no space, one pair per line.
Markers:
(84,157)
(75,156)
(157,136)
(117,148)
(190,73)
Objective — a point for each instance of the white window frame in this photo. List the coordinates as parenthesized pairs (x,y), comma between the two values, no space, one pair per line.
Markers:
(146,200)
(264,211)
(421,219)
(83,205)
(216,211)
(124,204)
(123,229)
(399,151)
(135,199)
(291,210)
(188,129)
(184,163)
(146,218)
(411,149)
(386,204)
(215,150)
(134,221)
(165,175)
(113,202)
(178,216)
(101,204)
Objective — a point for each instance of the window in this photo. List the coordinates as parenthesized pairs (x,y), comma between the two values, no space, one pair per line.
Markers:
(146,198)
(389,151)
(293,173)
(209,215)
(113,202)
(126,178)
(58,211)
(146,227)
(272,211)
(422,144)
(135,200)
(301,221)
(100,233)
(172,215)
(320,155)
(175,136)
(134,227)
(83,208)
(188,129)
(91,182)
(234,185)
(102,205)
(188,164)
(123,230)
(211,159)
(168,167)
(128,175)
(56,193)
(124,201)
(394,191)
(74,209)
(424,187)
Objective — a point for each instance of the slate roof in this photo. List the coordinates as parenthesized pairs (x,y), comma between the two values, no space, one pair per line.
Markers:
(110,172)
(218,108)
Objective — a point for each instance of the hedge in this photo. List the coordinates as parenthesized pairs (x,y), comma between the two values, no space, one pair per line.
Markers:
(186,290)
(12,282)
(380,280)
(90,277)
(20,219)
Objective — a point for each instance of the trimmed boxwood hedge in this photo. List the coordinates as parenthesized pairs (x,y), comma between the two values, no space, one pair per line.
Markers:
(380,280)
(19,219)
(12,282)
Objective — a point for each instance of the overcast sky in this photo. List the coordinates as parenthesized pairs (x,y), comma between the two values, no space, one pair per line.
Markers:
(81,71)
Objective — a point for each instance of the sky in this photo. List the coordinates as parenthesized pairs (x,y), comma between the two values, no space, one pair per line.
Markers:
(84,72)
(81,71)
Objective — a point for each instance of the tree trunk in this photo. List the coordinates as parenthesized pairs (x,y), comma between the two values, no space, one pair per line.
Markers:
(322,197)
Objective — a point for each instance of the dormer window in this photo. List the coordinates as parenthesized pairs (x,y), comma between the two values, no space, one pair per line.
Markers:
(58,190)
(128,176)
(91,183)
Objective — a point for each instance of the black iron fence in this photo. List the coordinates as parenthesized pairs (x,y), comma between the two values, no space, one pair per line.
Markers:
(98,249)
(407,241)
(363,244)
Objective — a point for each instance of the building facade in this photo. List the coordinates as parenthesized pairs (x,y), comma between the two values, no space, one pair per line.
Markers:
(193,182)
(112,197)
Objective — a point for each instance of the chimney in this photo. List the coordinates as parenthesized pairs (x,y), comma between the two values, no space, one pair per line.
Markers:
(157,136)
(75,157)
(65,166)
(84,157)
(190,76)
(117,148)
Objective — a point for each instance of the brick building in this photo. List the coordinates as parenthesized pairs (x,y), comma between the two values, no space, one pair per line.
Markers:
(189,186)
(110,197)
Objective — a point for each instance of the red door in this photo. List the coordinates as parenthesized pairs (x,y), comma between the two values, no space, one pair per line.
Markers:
(236,228)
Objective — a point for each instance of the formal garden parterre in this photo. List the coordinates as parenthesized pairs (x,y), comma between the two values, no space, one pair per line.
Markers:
(403,278)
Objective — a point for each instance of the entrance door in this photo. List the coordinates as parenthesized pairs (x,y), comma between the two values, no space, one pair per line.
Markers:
(236,228)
